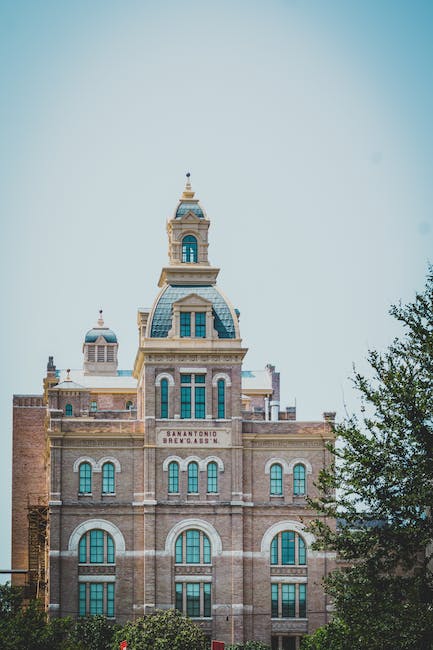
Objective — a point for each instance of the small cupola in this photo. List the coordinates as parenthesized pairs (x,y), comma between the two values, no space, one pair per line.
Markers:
(100,350)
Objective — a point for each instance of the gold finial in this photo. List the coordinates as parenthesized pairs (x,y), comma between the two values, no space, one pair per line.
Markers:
(100,319)
(187,193)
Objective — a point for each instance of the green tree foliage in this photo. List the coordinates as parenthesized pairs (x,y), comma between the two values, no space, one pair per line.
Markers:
(249,645)
(380,487)
(162,630)
(95,632)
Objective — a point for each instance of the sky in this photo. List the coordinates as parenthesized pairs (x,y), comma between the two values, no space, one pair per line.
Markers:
(306,127)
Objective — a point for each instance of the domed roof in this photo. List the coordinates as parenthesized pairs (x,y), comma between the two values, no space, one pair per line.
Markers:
(93,335)
(100,330)
(187,206)
(162,315)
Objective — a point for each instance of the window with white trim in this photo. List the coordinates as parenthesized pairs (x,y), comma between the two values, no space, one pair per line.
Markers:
(192,547)
(288,548)
(288,600)
(192,396)
(96,598)
(194,599)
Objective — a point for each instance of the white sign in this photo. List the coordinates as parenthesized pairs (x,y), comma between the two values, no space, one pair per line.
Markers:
(193,438)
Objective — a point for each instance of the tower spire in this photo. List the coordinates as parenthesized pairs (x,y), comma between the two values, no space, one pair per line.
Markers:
(188,192)
(100,319)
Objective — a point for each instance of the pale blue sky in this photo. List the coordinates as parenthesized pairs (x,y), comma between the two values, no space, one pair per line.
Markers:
(307,129)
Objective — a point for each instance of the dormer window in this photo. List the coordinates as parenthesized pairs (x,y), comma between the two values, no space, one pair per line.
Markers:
(193,317)
(200,324)
(185,323)
(189,249)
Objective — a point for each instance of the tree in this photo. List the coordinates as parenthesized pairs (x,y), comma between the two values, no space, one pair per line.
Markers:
(96,632)
(162,630)
(380,489)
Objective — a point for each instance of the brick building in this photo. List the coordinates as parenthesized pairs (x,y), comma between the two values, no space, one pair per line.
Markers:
(180,483)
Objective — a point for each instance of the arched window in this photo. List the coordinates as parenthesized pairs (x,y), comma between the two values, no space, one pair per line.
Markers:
(96,547)
(69,411)
(108,478)
(129,405)
(221,389)
(192,547)
(164,398)
(288,548)
(173,477)
(212,477)
(299,480)
(189,249)
(85,479)
(276,475)
(193,478)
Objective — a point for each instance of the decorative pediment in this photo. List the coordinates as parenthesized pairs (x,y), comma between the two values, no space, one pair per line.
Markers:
(193,301)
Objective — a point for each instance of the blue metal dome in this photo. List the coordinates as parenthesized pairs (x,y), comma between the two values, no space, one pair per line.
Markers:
(186,206)
(93,334)
(223,319)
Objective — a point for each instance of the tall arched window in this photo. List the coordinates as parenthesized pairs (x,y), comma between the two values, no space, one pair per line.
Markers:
(129,405)
(189,249)
(299,480)
(212,477)
(288,548)
(108,478)
(96,547)
(164,398)
(85,479)
(221,389)
(69,410)
(193,478)
(276,476)
(192,547)
(173,477)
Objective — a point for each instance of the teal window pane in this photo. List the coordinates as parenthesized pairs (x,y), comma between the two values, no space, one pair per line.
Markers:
(206,550)
(302,555)
(96,546)
(212,477)
(185,402)
(108,478)
(93,406)
(193,547)
(129,405)
(274,550)
(200,324)
(179,597)
(193,599)
(221,398)
(179,549)
(291,600)
(68,410)
(96,599)
(85,478)
(110,549)
(173,477)
(185,323)
(193,478)
(200,379)
(207,607)
(285,610)
(82,550)
(82,600)
(276,475)
(288,547)
(164,398)
(299,482)
(303,601)
(200,401)
(185,379)
(110,599)
(189,249)
(274,601)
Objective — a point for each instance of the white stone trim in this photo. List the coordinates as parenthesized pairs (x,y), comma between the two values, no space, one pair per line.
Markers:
(290,579)
(191,371)
(221,375)
(91,524)
(211,459)
(108,459)
(96,578)
(190,459)
(300,461)
(164,375)
(277,461)
(198,524)
(85,459)
(52,606)
(172,459)
(193,578)
(280,527)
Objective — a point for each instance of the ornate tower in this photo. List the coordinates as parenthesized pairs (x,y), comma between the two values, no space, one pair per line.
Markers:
(100,350)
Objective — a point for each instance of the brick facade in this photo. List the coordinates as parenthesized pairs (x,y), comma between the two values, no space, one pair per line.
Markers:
(185,467)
